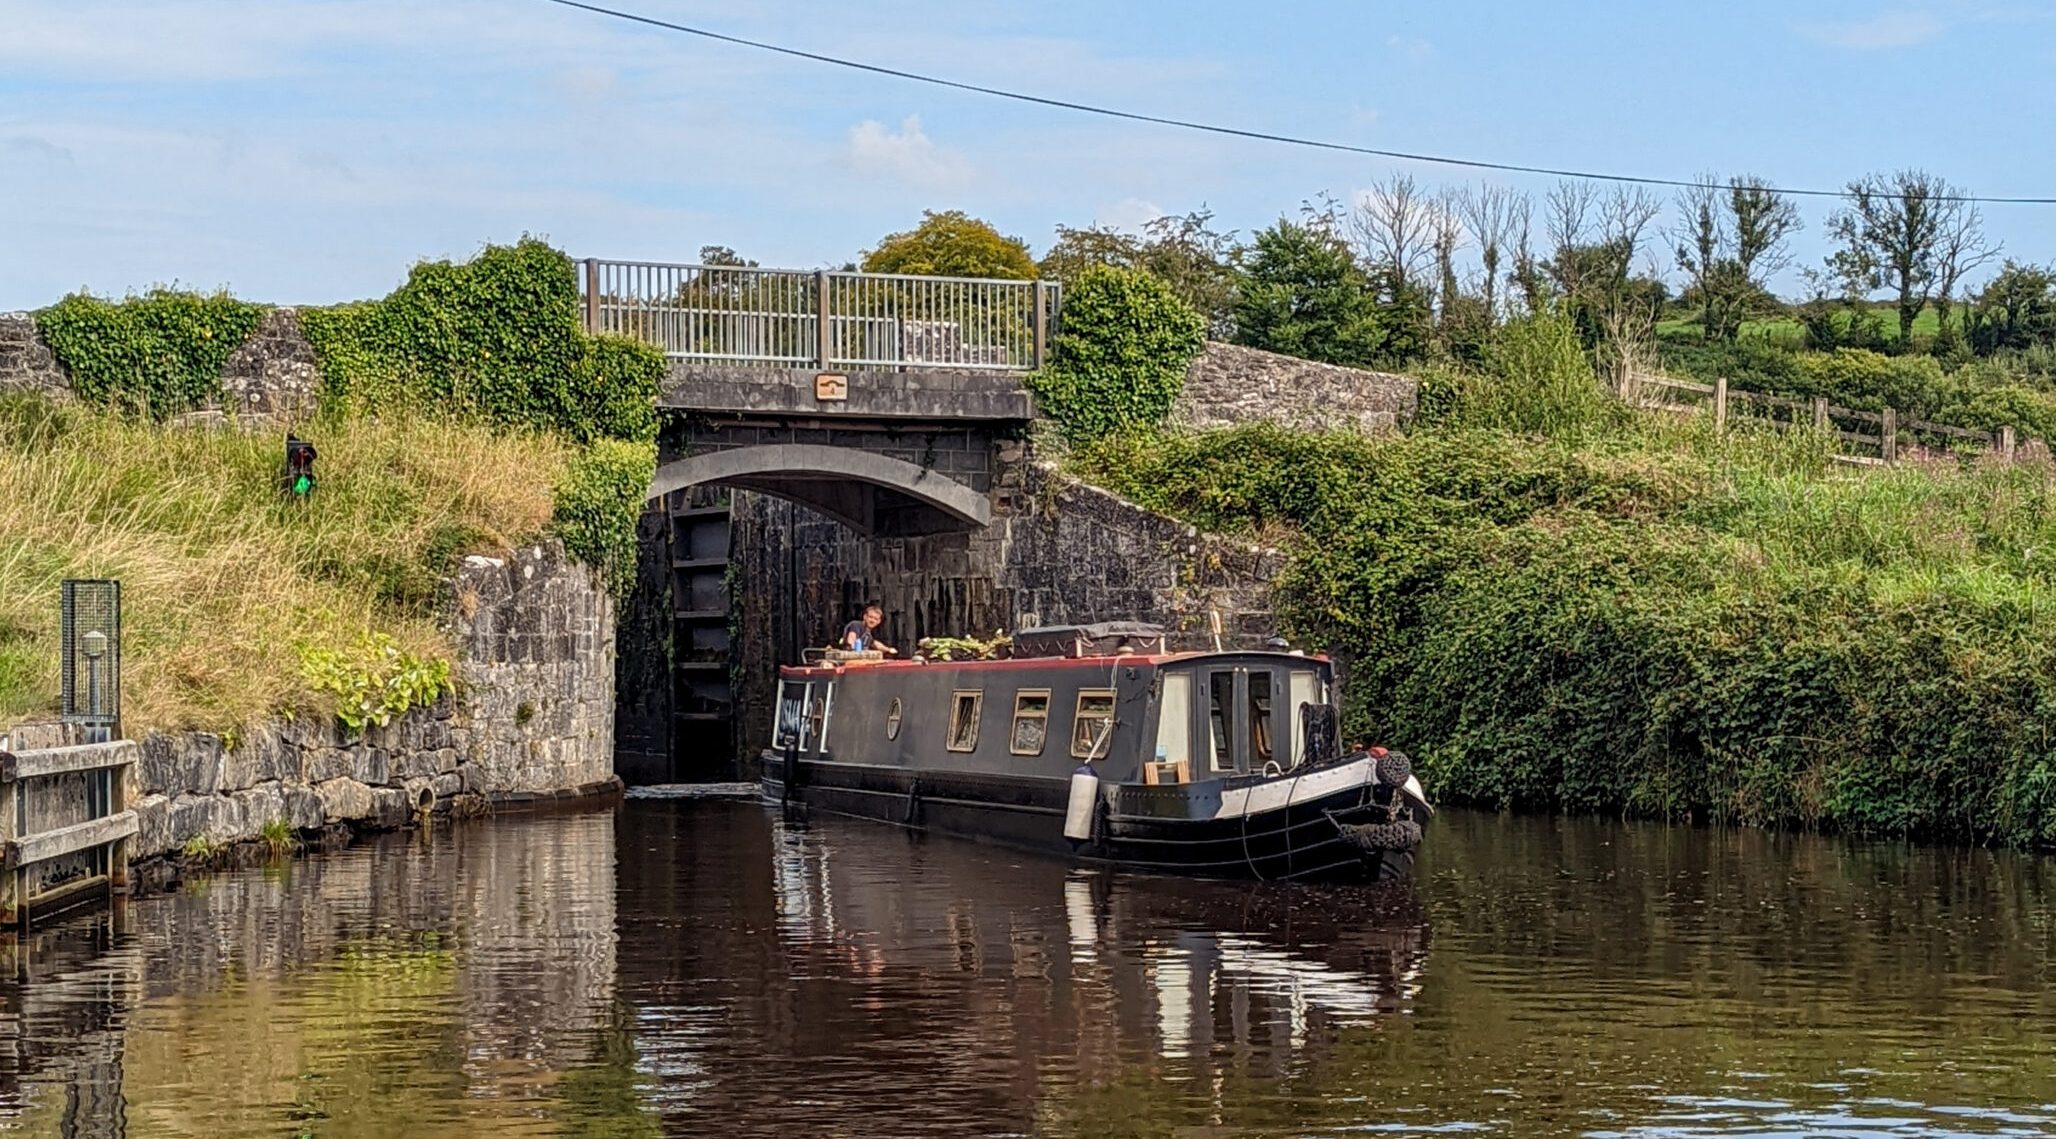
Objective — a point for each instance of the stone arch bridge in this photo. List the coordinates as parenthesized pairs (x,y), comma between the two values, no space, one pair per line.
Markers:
(836,439)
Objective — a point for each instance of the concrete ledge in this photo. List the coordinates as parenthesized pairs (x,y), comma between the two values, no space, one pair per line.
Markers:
(931,395)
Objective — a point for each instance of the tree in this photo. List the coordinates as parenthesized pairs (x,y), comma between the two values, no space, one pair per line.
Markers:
(1182,251)
(1960,247)
(1732,238)
(1198,263)
(952,244)
(1495,216)
(2016,309)
(1076,250)
(1890,234)
(1303,294)
(1700,242)
(1394,227)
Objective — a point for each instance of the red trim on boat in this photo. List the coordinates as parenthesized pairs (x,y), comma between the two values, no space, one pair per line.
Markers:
(839,668)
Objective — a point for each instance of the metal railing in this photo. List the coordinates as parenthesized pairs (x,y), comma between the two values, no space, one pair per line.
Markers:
(795,318)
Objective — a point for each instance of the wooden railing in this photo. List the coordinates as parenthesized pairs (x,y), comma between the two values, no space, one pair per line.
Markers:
(1860,436)
(66,819)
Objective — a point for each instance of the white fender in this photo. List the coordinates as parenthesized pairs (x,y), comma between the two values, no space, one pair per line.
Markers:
(1084,800)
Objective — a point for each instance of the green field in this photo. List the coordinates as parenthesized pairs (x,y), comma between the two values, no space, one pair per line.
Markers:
(1680,326)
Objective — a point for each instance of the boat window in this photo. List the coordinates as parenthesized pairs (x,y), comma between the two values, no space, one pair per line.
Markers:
(892,720)
(1031,721)
(963,720)
(1260,749)
(1306,689)
(1174,718)
(1173,761)
(1095,719)
(1220,699)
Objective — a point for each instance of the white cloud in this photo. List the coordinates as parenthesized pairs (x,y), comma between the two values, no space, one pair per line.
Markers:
(1412,47)
(907,155)
(1883,31)
(1128,214)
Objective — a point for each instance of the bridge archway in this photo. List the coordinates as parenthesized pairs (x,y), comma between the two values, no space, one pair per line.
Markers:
(873,494)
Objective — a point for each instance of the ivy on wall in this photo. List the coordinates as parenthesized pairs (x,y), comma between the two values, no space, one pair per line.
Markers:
(597,505)
(499,338)
(1119,358)
(158,354)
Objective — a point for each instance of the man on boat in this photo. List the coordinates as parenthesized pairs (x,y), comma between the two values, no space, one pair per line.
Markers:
(861,635)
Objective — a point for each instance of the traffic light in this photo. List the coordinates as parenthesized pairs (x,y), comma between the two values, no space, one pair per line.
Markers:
(299,478)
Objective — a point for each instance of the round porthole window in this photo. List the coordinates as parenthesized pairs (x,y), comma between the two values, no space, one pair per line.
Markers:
(892,720)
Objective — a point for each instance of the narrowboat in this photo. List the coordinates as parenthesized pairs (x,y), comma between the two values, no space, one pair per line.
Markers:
(1100,743)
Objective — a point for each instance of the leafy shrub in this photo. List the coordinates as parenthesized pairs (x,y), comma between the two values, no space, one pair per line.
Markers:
(499,339)
(374,681)
(1119,360)
(597,505)
(159,354)
(1535,377)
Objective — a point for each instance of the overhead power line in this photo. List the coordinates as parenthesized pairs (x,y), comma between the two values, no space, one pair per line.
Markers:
(1215,128)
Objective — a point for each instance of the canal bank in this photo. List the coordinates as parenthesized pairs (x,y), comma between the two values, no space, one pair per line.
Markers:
(682,969)
(529,718)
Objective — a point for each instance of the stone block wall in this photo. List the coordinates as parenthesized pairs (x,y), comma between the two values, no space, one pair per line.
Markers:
(1229,384)
(273,375)
(26,363)
(1057,552)
(532,718)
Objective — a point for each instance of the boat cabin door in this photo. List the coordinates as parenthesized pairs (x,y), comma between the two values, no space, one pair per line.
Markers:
(1240,729)
(1251,716)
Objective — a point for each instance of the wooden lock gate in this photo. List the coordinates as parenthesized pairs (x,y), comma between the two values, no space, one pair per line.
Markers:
(66,821)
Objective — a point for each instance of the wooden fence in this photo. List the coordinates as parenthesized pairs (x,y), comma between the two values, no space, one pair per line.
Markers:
(1860,436)
(66,819)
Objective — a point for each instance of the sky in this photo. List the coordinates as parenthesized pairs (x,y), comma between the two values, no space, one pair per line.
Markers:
(310,151)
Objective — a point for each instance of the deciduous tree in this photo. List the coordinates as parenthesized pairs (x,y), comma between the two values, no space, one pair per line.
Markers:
(952,243)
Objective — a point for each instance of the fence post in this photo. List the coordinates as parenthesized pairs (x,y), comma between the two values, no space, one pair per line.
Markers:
(1039,322)
(592,295)
(1820,414)
(824,342)
(2006,443)
(1720,404)
(1888,441)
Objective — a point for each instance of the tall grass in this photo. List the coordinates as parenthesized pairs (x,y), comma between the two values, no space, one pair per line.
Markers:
(224,579)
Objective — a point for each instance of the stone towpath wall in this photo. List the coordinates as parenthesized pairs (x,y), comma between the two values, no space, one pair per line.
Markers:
(273,374)
(532,718)
(1229,384)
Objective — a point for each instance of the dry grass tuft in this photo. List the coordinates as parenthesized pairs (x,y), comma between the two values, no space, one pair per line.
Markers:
(223,578)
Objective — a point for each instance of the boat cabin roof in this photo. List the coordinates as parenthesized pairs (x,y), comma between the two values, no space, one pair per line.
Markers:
(836,668)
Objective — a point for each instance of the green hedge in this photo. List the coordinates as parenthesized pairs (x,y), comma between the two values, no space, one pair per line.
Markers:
(1119,359)
(158,354)
(498,337)
(1661,622)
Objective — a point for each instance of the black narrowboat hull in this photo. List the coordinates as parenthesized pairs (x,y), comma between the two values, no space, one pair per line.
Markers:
(1294,826)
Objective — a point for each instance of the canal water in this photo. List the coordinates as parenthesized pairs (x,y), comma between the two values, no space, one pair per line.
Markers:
(688,969)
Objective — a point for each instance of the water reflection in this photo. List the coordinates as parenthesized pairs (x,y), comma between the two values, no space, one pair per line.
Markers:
(706,969)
